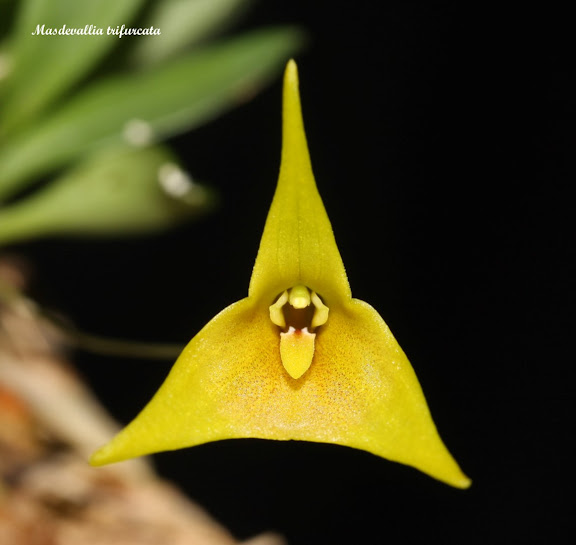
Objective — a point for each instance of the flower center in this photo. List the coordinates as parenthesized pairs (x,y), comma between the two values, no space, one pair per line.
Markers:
(298,312)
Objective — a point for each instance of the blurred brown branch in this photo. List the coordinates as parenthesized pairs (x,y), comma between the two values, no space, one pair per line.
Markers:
(49,423)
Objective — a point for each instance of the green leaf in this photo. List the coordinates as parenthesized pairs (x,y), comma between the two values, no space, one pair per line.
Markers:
(119,191)
(4,66)
(173,98)
(45,66)
(183,23)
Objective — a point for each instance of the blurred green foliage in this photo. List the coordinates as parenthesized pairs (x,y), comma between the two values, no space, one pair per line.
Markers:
(82,117)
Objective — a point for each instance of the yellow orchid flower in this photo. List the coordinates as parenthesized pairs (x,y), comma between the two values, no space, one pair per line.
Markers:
(298,358)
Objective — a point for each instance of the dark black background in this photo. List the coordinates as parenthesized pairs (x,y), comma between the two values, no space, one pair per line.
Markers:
(441,135)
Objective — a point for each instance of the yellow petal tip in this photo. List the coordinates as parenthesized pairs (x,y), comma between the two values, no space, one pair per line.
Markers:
(291,72)
(99,457)
(464,483)
(460,481)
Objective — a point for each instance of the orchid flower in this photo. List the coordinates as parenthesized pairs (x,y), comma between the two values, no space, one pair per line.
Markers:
(299,358)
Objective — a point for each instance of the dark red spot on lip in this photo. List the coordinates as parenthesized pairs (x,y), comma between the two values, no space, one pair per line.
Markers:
(298,318)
